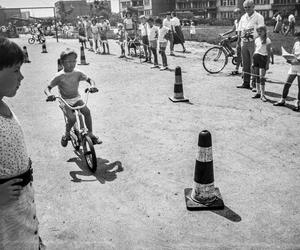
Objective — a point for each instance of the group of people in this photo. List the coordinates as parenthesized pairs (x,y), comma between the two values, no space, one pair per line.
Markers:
(94,30)
(254,51)
(153,34)
(280,26)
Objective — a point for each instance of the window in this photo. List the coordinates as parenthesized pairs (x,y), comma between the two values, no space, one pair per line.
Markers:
(146,2)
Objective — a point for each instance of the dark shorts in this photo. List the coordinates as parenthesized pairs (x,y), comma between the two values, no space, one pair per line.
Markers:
(145,40)
(260,61)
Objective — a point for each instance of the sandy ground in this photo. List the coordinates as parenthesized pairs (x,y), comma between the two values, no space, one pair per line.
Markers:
(154,141)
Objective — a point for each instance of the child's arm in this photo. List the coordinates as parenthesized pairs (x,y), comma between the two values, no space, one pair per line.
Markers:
(9,191)
(47,91)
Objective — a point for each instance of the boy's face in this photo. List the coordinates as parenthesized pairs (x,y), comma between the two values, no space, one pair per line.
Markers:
(150,23)
(69,63)
(10,80)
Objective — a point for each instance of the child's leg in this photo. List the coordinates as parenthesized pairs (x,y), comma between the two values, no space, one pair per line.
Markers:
(91,43)
(298,100)
(103,46)
(71,119)
(255,77)
(107,46)
(164,57)
(286,88)
(87,117)
(154,51)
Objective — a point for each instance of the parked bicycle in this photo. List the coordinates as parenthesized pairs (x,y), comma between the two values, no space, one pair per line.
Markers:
(216,58)
(79,133)
(36,38)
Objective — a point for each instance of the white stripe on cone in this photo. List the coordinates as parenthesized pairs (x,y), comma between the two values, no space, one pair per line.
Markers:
(204,154)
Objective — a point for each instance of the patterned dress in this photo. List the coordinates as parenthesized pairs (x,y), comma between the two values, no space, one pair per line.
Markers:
(18,221)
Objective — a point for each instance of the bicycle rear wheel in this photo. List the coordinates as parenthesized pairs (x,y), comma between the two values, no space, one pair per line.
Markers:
(214,60)
(89,153)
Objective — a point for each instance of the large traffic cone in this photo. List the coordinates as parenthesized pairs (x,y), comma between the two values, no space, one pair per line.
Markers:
(178,88)
(26,58)
(59,65)
(204,195)
(82,57)
(44,48)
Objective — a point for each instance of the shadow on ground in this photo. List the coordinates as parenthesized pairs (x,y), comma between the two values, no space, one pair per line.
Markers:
(105,171)
(228,214)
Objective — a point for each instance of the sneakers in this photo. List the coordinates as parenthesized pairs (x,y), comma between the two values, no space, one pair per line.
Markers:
(280,103)
(163,68)
(96,140)
(64,140)
(263,98)
(154,66)
(172,54)
(244,86)
(256,96)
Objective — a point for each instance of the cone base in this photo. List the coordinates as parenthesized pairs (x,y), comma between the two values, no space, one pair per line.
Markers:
(178,100)
(83,63)
(195,206)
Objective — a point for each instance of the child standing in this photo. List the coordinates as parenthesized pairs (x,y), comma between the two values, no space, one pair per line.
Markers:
(121,39)
(96,35)
(81,34)
(18,221)
(293,72)
(152,37)
(162,40)
(261,61)
(67,81)
(103,35)
(144,28)
(192,30)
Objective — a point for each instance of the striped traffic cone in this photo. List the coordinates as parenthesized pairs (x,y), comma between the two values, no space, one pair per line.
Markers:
(82,57)
(204,195)
(178,88)
(44,48)
(59,65)
(26,58)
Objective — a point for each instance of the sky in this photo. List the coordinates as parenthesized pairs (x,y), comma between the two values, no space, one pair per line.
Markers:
(43,3)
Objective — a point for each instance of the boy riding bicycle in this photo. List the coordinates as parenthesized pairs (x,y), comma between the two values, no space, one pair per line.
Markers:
(67,81)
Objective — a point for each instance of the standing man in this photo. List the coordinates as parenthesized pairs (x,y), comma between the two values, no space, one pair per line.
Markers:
(246,36)
(291,27)
(169,24)
(178,35)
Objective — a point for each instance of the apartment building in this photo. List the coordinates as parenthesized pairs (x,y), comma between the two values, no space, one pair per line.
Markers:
(157,7)
(204,8)
(137,5)
(69,10)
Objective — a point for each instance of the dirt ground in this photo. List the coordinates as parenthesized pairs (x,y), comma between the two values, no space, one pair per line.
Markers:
(136,200)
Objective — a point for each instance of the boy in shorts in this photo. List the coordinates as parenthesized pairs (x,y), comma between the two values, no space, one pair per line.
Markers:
(67,81)
(163,34)
(293,72)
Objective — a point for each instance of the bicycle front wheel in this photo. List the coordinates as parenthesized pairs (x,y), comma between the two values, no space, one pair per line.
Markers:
(89,153)
(214,60)
(75,139)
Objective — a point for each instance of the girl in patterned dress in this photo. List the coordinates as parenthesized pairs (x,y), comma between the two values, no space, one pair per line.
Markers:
(18,221)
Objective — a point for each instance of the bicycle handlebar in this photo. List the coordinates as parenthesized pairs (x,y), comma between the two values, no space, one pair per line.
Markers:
(87,91)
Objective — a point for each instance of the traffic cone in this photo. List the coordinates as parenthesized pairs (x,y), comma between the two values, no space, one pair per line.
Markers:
(26,58)
(59,65)
(204,195)
(178,88)
(44,48)
(82,57)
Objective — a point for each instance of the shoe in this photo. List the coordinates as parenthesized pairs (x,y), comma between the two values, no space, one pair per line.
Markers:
(234,73)
(184,51)
(263,98)
(121,56)
(296,108)
(149,61)
(280,103)
(64,140)
(172,54)
(163,68)
(96,140)
(253,89)
(145,61)
(154,66)
(256,96)
(243,86)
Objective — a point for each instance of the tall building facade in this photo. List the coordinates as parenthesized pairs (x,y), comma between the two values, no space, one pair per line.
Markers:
(69,10)
(204,8)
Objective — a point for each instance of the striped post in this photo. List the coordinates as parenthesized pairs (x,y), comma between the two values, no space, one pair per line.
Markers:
(178,87)
(204,189)
(44,48)
(26,58)
(204,195)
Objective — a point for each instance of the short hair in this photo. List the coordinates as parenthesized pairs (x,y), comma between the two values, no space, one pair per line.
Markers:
(10,53)
(237,10)
(248,2)
(158,20)
(173,13)
(150,19)
(66,53)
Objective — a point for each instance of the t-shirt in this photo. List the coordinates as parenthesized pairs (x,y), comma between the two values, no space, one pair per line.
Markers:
(68,83)
(161,33)
(291,18)
(167,23)
(144,28)
(296,49)
(175,21)
(248,25)
(261,48)
(128,24)
(153,33)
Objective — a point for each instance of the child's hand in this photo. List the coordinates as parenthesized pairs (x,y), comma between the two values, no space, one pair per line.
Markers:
(51,98)
(10,192)
(93,90)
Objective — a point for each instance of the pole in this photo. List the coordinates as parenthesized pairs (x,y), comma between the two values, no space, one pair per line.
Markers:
(55,24)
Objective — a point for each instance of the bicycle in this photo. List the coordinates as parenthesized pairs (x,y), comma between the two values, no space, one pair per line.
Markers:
(216,58)
(79,133)
(36,37)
